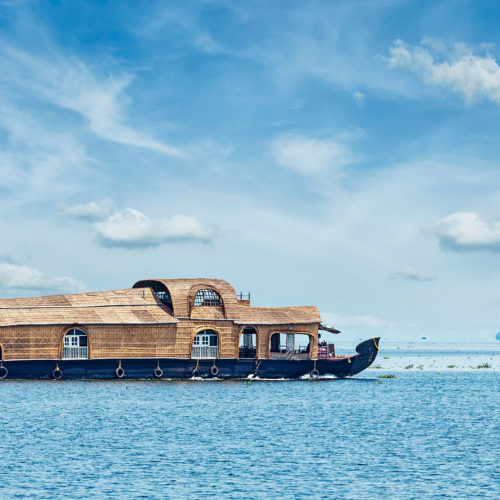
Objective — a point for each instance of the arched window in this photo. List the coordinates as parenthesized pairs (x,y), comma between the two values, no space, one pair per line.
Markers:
(76,344)
(206,345)
(207,298)
(160,289)
(164,297)
(248,343)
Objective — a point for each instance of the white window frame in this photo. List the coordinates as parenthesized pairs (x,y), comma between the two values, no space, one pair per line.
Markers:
(202,348)
(72,348)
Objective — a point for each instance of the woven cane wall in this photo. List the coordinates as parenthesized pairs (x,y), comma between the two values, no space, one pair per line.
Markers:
(132,341)
(23,342)
(105,341)
(138,341)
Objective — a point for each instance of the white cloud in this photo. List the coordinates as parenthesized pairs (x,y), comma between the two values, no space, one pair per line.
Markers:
(13,276)
(408,273)
(130,228)
(342,321)
(72,85)
(466,231)
(310,155)
(359,98)
(474,77)
(90,212)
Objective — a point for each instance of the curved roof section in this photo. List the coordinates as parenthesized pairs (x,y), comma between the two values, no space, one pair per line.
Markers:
(131,306)
(182,290)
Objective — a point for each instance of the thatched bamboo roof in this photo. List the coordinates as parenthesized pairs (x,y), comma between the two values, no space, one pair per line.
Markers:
(277,315)
(141,305)
(131,306)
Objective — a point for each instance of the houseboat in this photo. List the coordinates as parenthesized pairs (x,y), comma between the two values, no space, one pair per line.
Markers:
(167,328)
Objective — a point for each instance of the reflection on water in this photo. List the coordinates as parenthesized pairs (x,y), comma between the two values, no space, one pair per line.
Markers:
(420,435)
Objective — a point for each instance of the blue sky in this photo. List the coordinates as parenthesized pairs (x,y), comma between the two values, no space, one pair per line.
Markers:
(343,154)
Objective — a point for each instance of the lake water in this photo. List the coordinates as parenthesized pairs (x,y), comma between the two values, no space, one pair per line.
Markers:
(420,435)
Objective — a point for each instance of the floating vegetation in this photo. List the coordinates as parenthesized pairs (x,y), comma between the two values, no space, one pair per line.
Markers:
(376,367)
(408,367)
(484,365)
(387,376)
(248,382)
(420,367)
(379,381)
(451,366)
(387,357)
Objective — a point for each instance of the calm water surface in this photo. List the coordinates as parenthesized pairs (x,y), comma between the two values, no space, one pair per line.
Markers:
(421,435)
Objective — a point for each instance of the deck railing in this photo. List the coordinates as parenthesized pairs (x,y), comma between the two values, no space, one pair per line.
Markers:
(205,351)
(288,355)
(296,349)
(248,352)
(75,352)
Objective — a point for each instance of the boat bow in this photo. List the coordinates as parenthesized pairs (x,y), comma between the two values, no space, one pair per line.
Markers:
(367,352)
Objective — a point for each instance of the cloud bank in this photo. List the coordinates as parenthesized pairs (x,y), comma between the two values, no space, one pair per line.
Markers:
(89,212)
(466,232)
(408,273)
(71,85)
(13,276)
(472,76)
(130,228)
(309,155)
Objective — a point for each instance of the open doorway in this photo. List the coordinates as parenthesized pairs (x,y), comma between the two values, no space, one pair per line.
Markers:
(248,343)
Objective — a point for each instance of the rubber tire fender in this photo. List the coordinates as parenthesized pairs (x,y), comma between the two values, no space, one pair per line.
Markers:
(3,372)
(214,371)
(158,372)
(314,373)
(57,374)
(120,372)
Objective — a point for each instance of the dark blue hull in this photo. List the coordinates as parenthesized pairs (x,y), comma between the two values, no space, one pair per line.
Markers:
(171,368)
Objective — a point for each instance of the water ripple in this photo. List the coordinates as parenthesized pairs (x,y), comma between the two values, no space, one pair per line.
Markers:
(420,435)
